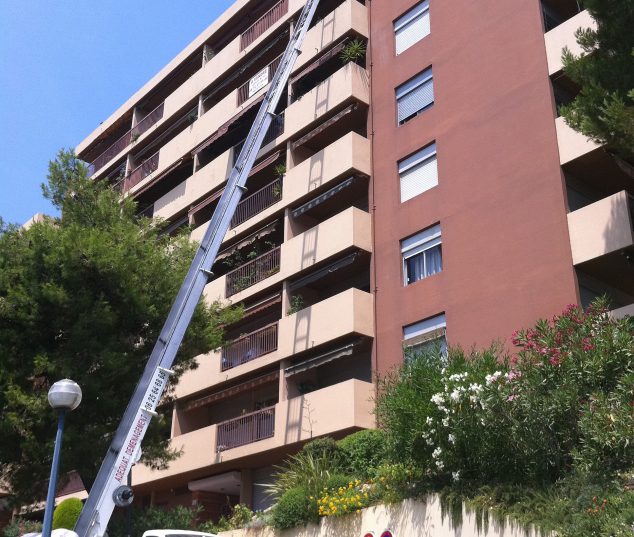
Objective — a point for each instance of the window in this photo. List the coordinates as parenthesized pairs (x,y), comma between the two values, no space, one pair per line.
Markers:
(427,335)
(422,255)
(412,26)
(418,172)
(414,96)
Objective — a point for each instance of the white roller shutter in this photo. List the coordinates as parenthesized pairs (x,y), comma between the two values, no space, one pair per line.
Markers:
(415,95)
(418,173)
(412,27)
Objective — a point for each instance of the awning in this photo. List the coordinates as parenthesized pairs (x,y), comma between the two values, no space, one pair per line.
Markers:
(226,126)
(207,201)
(233,390)
(268,160)
(321,359)
(323,197)
(262,232)
(323,126)
(262,305)
(158,178)
(319,61)
(328,269)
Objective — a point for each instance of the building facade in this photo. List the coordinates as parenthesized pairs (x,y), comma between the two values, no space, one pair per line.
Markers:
(423,192)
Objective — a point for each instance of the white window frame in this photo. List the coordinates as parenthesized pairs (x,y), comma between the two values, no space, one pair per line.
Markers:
(418,244)
(419,159)
(408,87)
(409,18)
(426,331)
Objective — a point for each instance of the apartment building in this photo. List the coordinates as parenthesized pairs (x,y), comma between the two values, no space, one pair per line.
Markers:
(426,192)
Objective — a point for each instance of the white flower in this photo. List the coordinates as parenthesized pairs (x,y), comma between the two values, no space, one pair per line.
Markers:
(437,453)
(473,398)
(440,465)
(476,388)
(437,399)
(451,438)
(490,379)
(445,422)
(429,441)
(455,395)
(429,420)
(456,475)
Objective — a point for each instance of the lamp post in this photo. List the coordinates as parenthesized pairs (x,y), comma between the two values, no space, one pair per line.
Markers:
(64,395)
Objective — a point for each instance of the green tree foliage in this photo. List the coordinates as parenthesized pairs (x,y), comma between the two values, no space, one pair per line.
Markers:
(295,507)
(363,452)
(84,296)
(604,108)
(66,513)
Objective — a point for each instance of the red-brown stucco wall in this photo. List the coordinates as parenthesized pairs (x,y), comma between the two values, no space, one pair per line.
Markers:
(500,199)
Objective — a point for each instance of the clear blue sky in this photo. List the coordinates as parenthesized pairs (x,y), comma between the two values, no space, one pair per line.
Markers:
(66,65)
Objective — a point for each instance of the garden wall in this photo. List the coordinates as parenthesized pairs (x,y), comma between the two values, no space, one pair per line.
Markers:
(407,519)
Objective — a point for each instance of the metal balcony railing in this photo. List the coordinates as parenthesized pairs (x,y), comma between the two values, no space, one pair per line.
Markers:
(141,172)
(249,347)
(246,429)
(263,23)
(247,90)
(257,202)
(113,150)
(253,272)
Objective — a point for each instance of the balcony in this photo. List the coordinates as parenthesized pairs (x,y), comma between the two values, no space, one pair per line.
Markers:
(249,347)
(349,229)
(257,202)
(258,82)
(246,429)
(351,17)
(265,22)
(346,406)
(261,268)
(564,36)
(132,135)
(349,84)
(572,144)
(145,169)
(602,228)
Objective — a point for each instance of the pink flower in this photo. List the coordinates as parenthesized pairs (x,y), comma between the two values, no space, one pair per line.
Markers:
(586,344)
(511,397)
(554,361)
(514,359)
(513,374)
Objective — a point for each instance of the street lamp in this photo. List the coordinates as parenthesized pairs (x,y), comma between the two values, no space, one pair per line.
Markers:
(64,395)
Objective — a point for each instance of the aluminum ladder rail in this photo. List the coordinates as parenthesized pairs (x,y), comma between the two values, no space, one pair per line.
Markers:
(125,447)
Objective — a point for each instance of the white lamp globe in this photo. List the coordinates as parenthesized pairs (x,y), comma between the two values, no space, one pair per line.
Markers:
(64,395)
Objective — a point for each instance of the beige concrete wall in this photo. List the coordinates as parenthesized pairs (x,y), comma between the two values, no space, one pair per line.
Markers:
(408,519)
(572,144)
(202,182)
(349,228)
(564,36)
(350,83)
(351,15)
(350,154)
(600,228)
(349,312)
(336,408)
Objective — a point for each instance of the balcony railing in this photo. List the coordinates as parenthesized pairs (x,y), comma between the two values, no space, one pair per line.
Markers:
(276,129)
(249,347)
(263,23)
(246,429)
(141,172)
(253,272)
(257,202)
(257,82)
(113,150)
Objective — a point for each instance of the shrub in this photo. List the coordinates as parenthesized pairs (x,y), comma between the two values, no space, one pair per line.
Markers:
(20,526)
(343,500)
(66,513)
(324,448)
(154,517)
(294,507)
(393,482)
(363,452)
